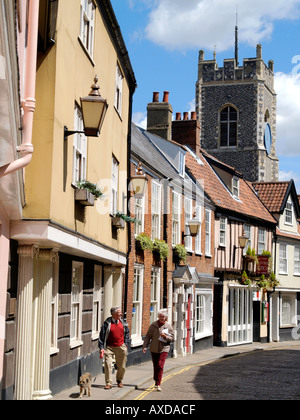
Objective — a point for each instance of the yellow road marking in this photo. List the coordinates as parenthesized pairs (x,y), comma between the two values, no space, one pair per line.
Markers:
(152,387)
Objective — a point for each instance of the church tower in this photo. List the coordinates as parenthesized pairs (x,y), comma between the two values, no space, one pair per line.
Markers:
(236,107)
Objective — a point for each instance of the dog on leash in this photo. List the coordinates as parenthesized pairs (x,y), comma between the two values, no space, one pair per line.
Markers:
(85,384)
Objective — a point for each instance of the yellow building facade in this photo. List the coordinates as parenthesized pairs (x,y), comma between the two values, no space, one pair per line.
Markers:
(72,251)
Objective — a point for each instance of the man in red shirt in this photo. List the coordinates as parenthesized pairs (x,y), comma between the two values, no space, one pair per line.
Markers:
(113,341)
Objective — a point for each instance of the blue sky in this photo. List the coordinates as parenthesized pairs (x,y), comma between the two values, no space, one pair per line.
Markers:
(163,38)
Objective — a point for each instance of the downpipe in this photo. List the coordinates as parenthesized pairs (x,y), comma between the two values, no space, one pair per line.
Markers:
(29,103)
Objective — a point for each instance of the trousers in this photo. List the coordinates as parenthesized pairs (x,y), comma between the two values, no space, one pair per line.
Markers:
(158,360)
(120,354)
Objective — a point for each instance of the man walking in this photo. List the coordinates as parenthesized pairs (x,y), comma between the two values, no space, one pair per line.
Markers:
(113,340)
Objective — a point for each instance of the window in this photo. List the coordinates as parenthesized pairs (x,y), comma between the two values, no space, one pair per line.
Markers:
(203,313)
(200,313)
(198,237)
(208,233)
(87,19)
(288,310)
(283,259)
(261,241)
(97,302)
(136,328)
(76,304)
(188,208)
(156,209)
(155,293)
(119,89)
(236,187)
(114,186)
(79,149)
(139,215)
(297,261)
(288,216)
(54,309)
(223,228)
(228,119)
(176,212)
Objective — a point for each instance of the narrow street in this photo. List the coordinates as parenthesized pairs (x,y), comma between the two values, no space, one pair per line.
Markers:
(261,375)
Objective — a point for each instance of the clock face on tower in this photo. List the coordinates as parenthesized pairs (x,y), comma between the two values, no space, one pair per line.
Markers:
(268,139)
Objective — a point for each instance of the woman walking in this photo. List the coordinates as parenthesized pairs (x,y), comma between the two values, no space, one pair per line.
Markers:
(159,335)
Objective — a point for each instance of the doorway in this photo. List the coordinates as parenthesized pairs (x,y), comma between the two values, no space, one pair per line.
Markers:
(256,321)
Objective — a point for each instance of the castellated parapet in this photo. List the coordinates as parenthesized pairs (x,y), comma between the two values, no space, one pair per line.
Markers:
(248,91)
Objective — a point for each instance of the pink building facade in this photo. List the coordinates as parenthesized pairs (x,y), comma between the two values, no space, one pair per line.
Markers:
(18,52)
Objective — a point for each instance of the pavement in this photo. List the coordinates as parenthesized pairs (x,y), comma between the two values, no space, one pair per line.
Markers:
(138,375)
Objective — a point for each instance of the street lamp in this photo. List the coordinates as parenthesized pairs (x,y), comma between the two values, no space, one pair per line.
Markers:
(242,244)
(194,226)
(139,182)
(94,109)
(243,240)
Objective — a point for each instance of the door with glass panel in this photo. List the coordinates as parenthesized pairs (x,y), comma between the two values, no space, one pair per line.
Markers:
(240,316)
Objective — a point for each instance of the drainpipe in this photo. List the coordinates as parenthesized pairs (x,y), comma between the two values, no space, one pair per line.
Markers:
(28,104)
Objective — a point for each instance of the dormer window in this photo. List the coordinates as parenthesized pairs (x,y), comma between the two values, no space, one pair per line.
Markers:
(288,213)
(236,187)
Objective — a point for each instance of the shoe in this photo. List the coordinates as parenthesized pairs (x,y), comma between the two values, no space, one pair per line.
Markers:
(120,384)
(158,388)
(108,386)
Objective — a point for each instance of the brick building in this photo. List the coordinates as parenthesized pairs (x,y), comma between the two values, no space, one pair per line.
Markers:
(182,285)
(231,211)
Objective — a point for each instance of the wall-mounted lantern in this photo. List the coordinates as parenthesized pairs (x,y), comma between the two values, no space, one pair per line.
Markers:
(139,182)
(94,109)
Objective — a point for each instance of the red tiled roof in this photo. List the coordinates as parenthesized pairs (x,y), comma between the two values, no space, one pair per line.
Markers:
(272,194)
(248,204)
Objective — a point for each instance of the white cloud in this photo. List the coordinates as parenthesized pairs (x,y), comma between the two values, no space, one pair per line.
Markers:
(140,119)
(177,24)
(287,175)
(287,87)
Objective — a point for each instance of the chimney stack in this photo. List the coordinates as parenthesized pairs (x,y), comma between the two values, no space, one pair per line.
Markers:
(159,116)
(187,131)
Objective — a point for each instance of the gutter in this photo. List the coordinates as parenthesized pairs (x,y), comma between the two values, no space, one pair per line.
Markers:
(28,104)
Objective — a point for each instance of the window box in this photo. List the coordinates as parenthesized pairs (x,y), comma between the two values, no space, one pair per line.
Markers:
(84,197)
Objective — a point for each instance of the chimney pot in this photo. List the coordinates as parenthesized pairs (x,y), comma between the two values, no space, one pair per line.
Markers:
(193,115)
(166,97)
(185,116)
(155,96)
(178,116)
